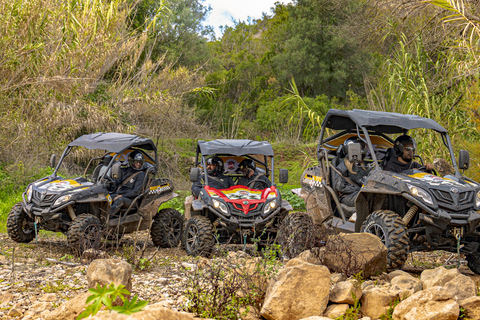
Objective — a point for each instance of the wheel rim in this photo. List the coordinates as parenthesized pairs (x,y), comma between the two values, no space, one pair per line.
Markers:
(192,238)
(174,230)
(25,226)
(377,230)
(91,236)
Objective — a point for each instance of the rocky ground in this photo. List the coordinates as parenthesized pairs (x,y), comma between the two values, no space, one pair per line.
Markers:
(44,274)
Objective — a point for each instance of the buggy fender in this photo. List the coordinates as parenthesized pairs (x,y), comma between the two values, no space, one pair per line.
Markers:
(198,205)
(286,205)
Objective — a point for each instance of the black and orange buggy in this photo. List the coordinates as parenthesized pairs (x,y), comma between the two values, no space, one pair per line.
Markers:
(409,211)
(238,214)
(80,207)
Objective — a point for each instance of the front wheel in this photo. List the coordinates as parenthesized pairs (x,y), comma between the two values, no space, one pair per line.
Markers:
(198,236)
(85,232)
(167,228)
(390,228)
(19,225)
(295,234)
(473,262)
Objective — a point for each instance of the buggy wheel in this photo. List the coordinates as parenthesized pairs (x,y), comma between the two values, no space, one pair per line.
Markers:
(198,236)
(167,228)
(473,262)
(390,228)
(18,227)
(85,232)
(293,234)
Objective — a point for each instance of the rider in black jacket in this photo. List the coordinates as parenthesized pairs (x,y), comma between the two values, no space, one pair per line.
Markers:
(216,178)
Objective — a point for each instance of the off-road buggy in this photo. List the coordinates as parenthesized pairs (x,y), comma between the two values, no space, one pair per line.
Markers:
(80,207)
(409,211)
(238,214)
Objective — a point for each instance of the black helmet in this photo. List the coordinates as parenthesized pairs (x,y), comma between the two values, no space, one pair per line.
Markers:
(134,158)
(354,140)
(400,143)
(247,163)
(216,161)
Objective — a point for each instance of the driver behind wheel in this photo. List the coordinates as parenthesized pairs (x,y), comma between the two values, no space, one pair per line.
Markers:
(404,147)
(251,178)
(131,187)
(216,178)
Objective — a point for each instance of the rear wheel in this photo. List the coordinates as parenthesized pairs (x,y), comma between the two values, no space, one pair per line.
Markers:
(473,262)
(390,228)
(85,232)
(19,225)
(167,228)
(294,234)
(198,236)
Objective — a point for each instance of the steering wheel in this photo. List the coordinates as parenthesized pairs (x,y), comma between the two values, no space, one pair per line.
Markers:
(255,181)
(424,168)
(108,182)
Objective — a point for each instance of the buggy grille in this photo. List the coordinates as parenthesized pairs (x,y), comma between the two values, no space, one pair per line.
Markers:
(43,200)
(454,201)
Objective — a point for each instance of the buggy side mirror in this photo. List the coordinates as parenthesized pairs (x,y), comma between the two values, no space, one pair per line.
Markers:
(463,159)
(116,172)
(354,152)
(53,160)
(194,174)
(283,176)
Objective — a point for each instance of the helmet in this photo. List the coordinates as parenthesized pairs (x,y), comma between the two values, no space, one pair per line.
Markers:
(354,140)
(134,158)
(400,143)
(247,163)
(215,160)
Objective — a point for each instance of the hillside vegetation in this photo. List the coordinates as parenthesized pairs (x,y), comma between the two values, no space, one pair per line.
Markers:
(151,68)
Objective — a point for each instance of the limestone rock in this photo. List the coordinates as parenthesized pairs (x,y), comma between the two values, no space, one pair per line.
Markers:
(106,271)
(461,287)
(344,291)
(377,301)
(368,252)
(70,309)
(151,312)
(301,291)
(336,310)
(437,277)
(472,307)
(316,318)
(409,283)
(6,298)
(49,297)
(309,257)
(433,303)
(397,273)
(337,277)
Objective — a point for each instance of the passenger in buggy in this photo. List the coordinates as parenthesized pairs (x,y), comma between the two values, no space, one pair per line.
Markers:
(216,178)
(251,178)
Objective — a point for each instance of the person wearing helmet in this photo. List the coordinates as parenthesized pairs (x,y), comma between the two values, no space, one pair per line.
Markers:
(131,186)
(349,177)
(251,178)
(216,178)
(404,147)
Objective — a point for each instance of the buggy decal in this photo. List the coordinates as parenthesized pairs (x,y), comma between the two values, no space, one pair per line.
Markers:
(242,193)
(159,189)
(434,180)
(62,185)
(314,181)
(231,166)
(109,198)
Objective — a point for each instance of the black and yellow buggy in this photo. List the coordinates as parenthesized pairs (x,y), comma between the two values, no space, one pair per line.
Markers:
(80,207)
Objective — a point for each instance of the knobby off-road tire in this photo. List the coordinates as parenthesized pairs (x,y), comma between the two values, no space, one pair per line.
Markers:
(390,228)
(85,232)
(293,234)
(167,227)
(473,262)
(199,236)
(17,227)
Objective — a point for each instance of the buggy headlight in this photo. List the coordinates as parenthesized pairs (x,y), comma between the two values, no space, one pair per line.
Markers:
(419,192)
(62,199)
(220,205)
(477,199)
(29,193)
(269,206)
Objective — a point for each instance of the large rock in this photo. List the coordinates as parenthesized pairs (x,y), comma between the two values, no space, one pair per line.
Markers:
(335,311)
(107,271)
(472,307)
(345,291)
(437,277)
(301,291)
(356,252)
(461,287)
(397,273)
(435,303)
(377,301)
(69,309)
(151,312)
(408,283)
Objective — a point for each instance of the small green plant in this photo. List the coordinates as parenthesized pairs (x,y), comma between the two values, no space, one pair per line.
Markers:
(66,257)
(52,288)
(352,313)
(144,264)
(388,315)
(106,295)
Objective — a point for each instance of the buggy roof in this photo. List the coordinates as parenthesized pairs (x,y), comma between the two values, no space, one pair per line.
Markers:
(235,147)
(112,142)
(385,122)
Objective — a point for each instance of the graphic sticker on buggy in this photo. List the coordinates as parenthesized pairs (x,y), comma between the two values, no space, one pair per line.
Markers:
(159,189)
(313,181)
